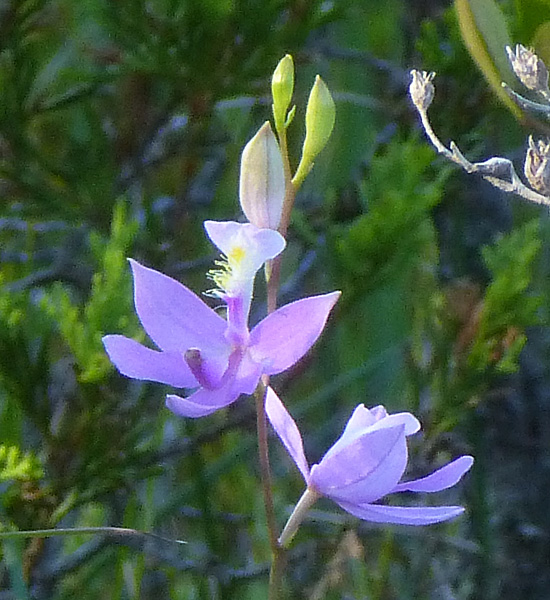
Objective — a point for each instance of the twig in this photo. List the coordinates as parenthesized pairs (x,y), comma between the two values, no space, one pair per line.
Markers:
(498,171)
(525,103)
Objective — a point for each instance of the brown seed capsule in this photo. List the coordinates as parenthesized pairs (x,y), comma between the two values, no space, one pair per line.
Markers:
(529,68)
(537,166)
(421,89)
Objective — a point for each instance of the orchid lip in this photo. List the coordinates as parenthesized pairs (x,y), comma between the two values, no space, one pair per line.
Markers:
(196,364)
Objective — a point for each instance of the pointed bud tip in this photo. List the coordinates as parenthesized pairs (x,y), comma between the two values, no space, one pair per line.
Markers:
(282,88)
(320,118)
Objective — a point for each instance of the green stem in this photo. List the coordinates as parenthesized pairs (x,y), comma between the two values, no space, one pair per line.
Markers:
(288,203)
(277,552)
(309,497)
(276,574)
(114,531)
(265,469)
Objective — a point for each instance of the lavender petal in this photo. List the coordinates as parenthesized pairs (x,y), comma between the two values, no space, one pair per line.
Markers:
(364,470)
(364,420)
(284,336)
(183,407)
(439,480)
(403,515)
(287,430)
(175,318)
(136,361)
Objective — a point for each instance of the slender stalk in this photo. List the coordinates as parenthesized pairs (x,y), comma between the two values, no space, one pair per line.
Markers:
(290,189)
(274,270)
(265,469)
(309,497)
(113,531)
(276,574)
(288,203)
(277,552)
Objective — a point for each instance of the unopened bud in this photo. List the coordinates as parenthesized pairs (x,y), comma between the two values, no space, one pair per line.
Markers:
(262,181)
(320,116)
(537,166)
(282,88)
(422,89)
(529,68)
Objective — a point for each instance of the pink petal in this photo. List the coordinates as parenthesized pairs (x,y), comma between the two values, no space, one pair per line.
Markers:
(248,375)
(284,336)
(364,470)
(287,430)
(409,422)
(183,407)
(403,515)
(262,180)
(175,318)
(259,244)
(359,423)
(241,377)
(204,402)
(441,479)
(136,361)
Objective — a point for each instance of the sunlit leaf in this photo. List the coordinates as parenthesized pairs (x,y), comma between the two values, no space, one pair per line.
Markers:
(485,34)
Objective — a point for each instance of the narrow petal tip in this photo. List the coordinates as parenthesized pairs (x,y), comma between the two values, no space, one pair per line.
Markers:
(185,408)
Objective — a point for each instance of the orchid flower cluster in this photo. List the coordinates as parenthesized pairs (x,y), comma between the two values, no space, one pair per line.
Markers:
(219,359)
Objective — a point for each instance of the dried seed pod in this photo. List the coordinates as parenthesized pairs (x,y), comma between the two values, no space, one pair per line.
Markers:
(421,89)
(529,68)
(537,167)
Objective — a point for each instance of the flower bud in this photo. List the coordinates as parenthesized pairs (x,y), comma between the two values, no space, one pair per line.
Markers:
(282,87)
(529,68)
(320,116)
(421,89)
(262,181)
(537,167)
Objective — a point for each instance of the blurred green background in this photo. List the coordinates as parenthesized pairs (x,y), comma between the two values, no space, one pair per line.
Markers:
(121,128)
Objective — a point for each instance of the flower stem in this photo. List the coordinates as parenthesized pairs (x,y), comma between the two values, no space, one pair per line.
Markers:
(265,469)
(309,497)
(277,552)
(276,574)
(288,203)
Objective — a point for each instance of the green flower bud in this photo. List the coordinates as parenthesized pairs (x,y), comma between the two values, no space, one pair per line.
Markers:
(262,181)
(282,87)
(320,115)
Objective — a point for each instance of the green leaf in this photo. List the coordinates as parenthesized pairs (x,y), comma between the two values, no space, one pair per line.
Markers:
(485,34)
(529,15)
(541,42)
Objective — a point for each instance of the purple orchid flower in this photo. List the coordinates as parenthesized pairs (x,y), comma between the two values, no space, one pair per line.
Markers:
(365,464)
(199,348)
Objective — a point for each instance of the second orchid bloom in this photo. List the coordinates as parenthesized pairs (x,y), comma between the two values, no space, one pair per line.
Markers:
(364,465)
